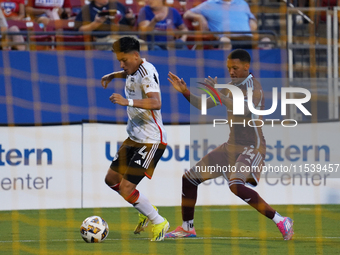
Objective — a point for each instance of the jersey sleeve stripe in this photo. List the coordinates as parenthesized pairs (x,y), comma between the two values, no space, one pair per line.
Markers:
(140,72)
(142,67)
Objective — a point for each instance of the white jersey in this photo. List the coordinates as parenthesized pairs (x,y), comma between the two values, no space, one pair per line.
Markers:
(144,126)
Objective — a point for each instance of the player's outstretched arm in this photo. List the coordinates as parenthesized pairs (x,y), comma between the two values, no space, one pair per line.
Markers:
(106,79)
(152,102)
(181,86)
(228,102)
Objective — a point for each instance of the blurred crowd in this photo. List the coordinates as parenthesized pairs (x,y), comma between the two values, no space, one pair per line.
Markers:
(232,17)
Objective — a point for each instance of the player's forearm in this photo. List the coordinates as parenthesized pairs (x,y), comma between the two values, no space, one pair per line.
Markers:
(119,74)
(228,102)
(196,100)
(147,103)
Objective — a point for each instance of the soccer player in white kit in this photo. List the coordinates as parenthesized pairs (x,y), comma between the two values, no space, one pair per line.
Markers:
(140,152)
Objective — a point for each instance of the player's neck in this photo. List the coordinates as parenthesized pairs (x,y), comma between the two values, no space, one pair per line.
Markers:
(245,76)
(240,80)
(140,62)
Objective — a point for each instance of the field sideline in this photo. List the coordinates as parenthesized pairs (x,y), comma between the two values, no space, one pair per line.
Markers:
(220,230)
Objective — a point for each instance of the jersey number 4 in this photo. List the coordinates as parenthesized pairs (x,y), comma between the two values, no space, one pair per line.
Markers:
(142,152)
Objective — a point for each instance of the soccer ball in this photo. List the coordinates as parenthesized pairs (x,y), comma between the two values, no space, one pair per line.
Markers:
(94,229)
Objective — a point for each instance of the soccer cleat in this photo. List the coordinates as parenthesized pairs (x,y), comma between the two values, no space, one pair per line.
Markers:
(286,228)
(179,232)
(159,230)
(142,222)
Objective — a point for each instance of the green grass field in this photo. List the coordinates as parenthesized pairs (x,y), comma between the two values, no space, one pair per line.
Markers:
(220,230)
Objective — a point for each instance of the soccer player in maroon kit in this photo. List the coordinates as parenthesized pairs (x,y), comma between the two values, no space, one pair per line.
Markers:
(245,149)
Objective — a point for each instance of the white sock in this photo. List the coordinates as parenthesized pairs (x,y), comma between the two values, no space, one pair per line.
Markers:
(144,206)
(188,225)
(277,218)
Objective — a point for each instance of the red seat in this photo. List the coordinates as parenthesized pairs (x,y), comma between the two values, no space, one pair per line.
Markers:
(25,25)
(63,24)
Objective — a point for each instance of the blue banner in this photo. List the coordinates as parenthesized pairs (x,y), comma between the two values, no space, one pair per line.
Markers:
(64,86)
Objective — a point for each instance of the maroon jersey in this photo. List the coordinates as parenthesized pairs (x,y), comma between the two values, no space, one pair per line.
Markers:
(242,131)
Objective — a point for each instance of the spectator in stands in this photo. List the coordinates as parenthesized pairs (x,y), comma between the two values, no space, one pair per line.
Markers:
(321,25)
(89,20)
(3,28)
(43,11)
(327,3)
(13,10)
(225,16)
(156,16)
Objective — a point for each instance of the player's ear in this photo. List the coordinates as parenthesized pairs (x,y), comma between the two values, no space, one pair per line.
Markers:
(246,66)
(136,54)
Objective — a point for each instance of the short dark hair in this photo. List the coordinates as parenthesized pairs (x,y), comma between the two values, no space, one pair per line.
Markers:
(126,45)
(240,54)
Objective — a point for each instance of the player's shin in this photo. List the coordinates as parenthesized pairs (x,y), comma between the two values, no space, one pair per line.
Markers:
(143,205)
(251,197)
(190,181)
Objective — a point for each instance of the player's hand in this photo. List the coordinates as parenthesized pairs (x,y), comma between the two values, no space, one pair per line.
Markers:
(119,99)
(210,81)
(106,79)
(179,84)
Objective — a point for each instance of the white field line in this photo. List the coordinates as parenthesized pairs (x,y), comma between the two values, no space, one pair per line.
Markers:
(192,238)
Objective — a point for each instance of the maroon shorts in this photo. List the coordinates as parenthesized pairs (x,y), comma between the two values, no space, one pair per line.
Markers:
(222,161)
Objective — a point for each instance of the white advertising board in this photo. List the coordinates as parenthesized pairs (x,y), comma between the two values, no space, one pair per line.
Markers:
(65,167)
(304,144)
(294,148)
(40,167)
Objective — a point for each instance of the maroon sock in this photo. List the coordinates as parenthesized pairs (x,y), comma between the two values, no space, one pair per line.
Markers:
(252,198)
(189,197)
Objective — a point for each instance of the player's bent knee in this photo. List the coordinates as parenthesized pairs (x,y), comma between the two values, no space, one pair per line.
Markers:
(192,177)
(108,181)
(112,178)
